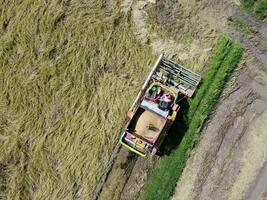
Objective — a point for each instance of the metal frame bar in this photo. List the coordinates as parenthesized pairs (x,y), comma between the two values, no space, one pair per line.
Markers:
(144,87)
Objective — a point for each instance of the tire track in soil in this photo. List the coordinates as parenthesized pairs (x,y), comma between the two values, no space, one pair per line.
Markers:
(106,172)
(123,165)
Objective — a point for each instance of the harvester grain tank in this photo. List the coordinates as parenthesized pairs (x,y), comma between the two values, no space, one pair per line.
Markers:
(156,105)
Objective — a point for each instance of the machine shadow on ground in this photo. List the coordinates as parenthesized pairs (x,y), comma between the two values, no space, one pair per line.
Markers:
(177,130)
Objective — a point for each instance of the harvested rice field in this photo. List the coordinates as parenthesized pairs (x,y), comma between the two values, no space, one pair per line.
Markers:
(69,71)
(64,68)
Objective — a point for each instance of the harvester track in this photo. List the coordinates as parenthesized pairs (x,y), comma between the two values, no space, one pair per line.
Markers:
(120,165)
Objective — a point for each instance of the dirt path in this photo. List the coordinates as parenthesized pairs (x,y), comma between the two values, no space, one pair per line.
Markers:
(117,177)
(105,174)
(258,190)
(127,167)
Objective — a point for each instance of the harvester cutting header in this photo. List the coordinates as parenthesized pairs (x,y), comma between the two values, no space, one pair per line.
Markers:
(155,107)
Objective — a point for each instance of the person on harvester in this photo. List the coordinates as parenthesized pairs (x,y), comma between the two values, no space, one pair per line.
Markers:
(165,101)
(167,97)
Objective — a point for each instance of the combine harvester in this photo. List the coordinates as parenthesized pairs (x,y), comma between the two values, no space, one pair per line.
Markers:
(155,108)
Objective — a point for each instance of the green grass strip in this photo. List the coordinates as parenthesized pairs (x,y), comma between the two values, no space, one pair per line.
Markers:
(259,7)
(163,177)
(248,3)
(220,52)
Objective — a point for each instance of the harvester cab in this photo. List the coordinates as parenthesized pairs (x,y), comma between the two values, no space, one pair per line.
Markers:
(155,107)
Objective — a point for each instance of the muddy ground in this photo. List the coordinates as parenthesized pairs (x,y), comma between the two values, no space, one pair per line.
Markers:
(230,160)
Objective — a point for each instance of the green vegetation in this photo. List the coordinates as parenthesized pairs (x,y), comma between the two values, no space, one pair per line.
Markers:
(242,26)
(64,68)
(248,3)
(259,7)
(162,179)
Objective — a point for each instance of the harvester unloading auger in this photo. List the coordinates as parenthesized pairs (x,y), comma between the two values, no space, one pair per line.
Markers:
(155,107)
